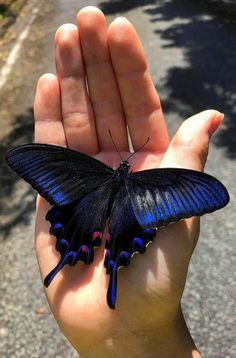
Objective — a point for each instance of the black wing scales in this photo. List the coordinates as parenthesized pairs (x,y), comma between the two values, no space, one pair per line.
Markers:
(80,190)
(78,228)
(60,175)
(126,237)
(165,195)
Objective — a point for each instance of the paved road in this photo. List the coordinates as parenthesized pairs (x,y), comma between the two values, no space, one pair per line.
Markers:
(192,57)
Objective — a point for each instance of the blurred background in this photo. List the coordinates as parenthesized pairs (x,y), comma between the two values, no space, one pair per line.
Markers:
(191,49)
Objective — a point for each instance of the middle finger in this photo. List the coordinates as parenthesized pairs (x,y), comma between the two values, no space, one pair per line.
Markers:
(103,89)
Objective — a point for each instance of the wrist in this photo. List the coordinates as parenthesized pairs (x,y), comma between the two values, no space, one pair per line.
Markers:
(170,340)
(173,340)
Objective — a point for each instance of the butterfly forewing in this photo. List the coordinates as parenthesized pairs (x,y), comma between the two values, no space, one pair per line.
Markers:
(60,175)
(161,196)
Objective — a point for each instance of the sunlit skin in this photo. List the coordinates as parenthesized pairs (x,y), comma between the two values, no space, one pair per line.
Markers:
(147,321)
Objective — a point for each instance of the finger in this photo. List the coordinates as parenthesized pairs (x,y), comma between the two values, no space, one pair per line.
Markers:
(102,84)
(47,112)
(141,103)
(77,113)
(189,147)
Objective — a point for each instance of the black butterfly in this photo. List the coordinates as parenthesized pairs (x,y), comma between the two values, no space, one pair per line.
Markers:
(85,194)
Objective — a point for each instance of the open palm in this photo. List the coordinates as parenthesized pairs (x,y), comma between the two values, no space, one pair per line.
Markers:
(103,83)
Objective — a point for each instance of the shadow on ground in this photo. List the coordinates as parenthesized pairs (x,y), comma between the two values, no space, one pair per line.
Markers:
(112,7)
(224,9)
(16,197)
(206,32)
(9,11)
(209,79)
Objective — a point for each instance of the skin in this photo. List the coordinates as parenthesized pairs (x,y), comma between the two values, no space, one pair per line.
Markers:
(148,320)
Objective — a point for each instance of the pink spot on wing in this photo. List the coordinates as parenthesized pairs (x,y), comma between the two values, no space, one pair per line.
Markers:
(107,237)
(96,235)
(84,249)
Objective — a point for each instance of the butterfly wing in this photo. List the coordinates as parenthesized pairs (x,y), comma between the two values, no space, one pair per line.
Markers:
(80,188)
(78,228)
(125,237)
(60,175)
(161,196)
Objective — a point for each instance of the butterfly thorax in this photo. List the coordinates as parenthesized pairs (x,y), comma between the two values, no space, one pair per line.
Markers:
(124,166)
(121,173)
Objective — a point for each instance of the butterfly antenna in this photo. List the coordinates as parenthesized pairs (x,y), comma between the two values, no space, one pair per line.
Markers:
(115,145)
(148,139)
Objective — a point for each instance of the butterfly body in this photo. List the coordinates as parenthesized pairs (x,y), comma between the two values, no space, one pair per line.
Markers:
(121,173)
(118,180)
(86,194)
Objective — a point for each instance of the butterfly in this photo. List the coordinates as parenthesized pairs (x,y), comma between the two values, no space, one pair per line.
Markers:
(87,194)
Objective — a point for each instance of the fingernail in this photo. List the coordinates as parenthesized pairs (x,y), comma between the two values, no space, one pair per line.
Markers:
(121,19)
(216,121)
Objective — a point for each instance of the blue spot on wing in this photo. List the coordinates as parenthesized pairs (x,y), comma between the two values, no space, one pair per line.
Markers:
(59,197)
(112,287)
(149,218)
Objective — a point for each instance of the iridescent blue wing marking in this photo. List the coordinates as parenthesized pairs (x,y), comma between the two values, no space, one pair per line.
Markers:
(125,237)
(161,196)
(60,175)
(78,228)
(81,191)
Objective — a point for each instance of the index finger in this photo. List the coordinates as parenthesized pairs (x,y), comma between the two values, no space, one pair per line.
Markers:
(47,112)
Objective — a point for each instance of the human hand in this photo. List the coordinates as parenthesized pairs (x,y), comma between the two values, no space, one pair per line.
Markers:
(110,62)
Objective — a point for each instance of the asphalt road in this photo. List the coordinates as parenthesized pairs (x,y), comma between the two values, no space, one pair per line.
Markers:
(192,55)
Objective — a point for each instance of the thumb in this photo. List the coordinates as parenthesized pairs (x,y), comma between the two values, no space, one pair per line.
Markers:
(189,146)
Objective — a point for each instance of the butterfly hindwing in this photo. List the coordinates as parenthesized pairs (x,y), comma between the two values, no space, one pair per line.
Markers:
(161,196)
(78,228)
(60,175)
(125,238)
